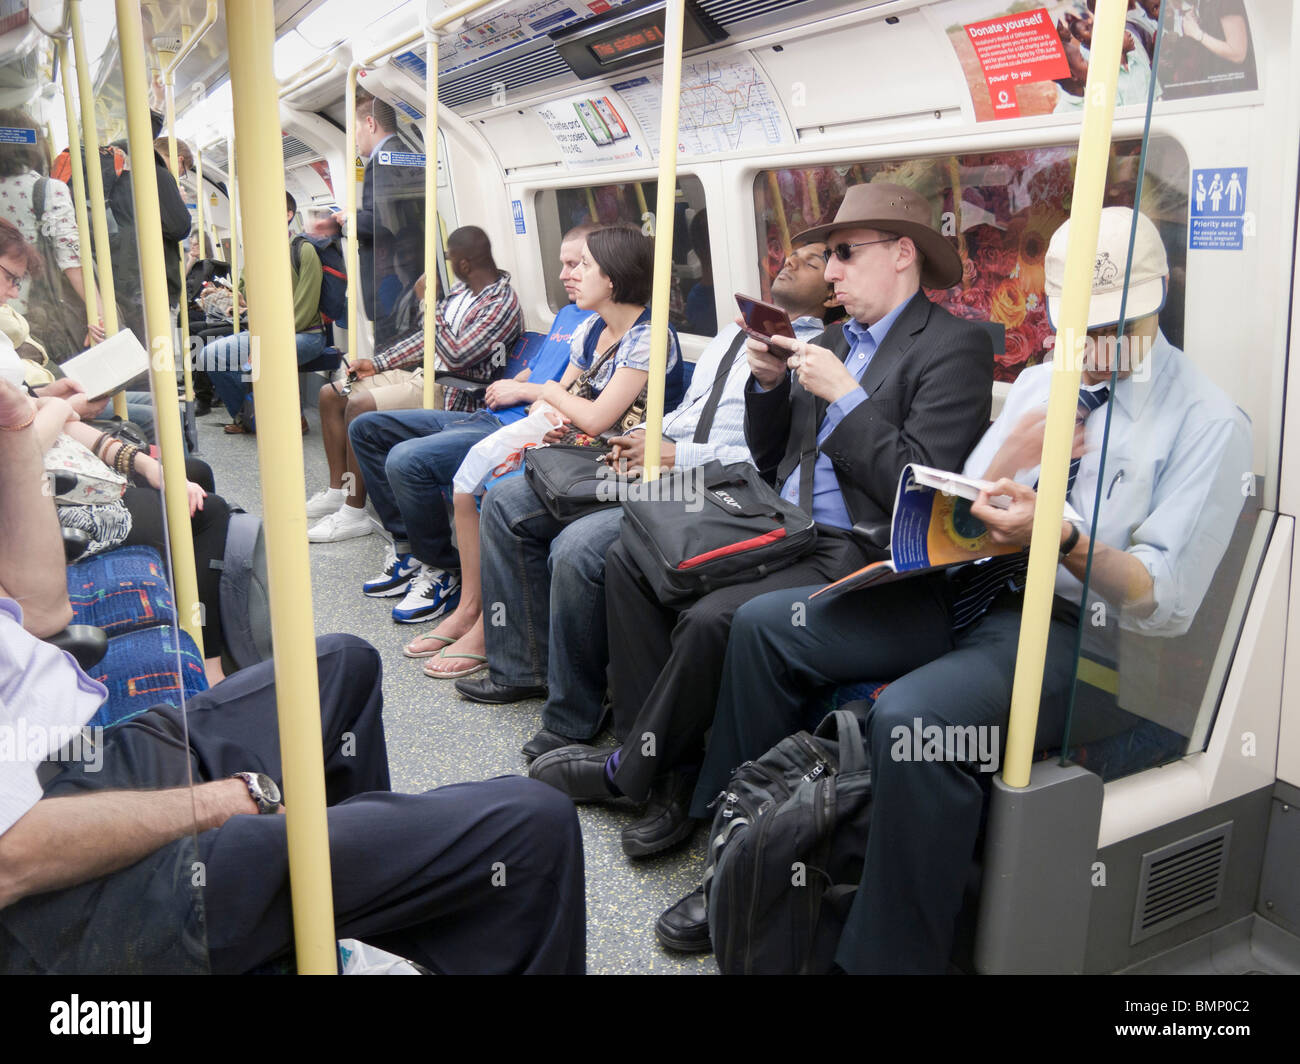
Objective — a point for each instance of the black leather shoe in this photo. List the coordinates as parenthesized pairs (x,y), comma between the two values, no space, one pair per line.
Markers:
(544,742)
(578,771)
(666,822)
(685,926)
(484,689)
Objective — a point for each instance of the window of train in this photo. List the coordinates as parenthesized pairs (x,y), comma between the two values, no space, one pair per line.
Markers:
(1001,208)
(692,307)
(1147,682)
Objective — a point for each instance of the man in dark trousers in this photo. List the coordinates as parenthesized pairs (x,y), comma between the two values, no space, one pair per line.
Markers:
(157,846)
(836,421)
(390,218)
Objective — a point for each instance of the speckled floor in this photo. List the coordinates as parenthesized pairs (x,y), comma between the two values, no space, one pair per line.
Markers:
(435,737)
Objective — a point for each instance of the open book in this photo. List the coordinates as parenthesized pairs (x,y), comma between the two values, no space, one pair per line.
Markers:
(932,529)
(105,368)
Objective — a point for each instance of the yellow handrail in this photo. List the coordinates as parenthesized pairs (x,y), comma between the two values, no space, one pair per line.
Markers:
(95,183)
(232,204)
(432,245)
(250,32)
(198,197)
(78,187)
(153,276)
(318,69)
(1062,405)
(189,43)
(666,198)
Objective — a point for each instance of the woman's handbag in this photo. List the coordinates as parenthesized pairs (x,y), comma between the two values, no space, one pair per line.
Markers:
(79,478)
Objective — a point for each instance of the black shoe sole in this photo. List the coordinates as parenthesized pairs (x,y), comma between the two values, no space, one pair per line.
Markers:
(635,848)
(683,945)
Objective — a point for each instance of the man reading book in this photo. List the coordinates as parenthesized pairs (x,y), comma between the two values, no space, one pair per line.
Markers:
(946,641)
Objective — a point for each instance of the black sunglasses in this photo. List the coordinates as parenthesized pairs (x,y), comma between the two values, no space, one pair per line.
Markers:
(844,252)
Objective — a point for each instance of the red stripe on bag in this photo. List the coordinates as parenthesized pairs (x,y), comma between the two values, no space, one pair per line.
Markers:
(735,548)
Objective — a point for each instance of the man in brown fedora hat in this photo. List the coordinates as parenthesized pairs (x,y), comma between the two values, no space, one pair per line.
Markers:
(900,381)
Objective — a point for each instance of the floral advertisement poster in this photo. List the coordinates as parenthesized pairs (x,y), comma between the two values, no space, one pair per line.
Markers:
(1000,209)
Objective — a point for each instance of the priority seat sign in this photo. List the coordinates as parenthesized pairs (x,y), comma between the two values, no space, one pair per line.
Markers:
(1218,208)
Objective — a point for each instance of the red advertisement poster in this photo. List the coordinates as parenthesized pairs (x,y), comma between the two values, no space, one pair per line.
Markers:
(1016,50)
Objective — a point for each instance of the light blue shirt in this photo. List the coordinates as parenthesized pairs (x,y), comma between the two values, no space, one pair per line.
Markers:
(828,501)
(1178,453)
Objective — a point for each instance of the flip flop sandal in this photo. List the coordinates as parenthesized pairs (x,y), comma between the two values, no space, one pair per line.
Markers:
(408,652)
(477,663)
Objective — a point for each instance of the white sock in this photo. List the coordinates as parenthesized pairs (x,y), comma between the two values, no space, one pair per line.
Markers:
(334,493)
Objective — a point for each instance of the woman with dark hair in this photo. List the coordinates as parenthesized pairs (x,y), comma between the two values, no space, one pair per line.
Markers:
(611,353)
(24,185)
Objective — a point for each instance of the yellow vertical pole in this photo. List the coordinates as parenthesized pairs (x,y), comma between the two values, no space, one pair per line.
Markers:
(153,276)
(351,252)
(78,187)
(666,197)
(432,245)
(198,197)
(1044,552)
(250,31)
(169,97)
(232,201)
(95,183)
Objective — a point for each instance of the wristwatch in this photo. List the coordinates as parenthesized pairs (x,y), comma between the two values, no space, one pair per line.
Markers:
(1071,541)
(262,789)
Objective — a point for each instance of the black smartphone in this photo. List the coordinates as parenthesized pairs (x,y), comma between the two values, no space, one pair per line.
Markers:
(763,320)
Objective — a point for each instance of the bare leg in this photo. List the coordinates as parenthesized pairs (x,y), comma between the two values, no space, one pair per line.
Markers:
(358,403)
(467,612)
(334,433)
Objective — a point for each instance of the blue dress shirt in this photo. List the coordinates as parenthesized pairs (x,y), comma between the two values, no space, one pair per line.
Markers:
(828,501)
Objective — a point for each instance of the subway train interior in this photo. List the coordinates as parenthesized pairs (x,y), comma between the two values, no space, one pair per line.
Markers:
(1139,810)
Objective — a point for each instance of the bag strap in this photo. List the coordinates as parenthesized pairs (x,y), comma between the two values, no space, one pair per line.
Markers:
(705,426)
(808,459)
(852,755)
(38,201)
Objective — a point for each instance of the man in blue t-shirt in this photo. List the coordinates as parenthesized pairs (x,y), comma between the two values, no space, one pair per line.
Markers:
(409,458)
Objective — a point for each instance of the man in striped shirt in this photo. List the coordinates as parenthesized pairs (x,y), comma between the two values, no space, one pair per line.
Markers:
(476,326)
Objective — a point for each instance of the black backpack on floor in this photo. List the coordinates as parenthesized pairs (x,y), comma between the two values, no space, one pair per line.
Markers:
(712,526)
(785,852)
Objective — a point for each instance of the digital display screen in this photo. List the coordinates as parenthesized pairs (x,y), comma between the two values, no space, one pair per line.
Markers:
(628,43)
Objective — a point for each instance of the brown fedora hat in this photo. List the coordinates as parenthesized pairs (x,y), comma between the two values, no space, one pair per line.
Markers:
(895,209)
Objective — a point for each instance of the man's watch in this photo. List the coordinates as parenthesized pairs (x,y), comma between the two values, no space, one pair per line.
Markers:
(262,789)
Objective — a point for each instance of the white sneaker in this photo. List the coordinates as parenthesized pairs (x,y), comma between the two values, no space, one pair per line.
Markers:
(324,503)
(340,525)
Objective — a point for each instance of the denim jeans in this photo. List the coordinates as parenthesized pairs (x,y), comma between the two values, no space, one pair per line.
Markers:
(224,360)
(409,459)
(550,580)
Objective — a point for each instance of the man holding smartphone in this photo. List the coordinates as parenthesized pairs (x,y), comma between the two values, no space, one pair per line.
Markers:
(834,421)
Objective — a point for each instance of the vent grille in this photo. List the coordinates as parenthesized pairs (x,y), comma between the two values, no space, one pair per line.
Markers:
(512,74)
(545,62)
(295,151)
(1180,881)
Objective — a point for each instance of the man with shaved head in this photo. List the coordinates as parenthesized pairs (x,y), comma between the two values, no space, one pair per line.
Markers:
(477,325)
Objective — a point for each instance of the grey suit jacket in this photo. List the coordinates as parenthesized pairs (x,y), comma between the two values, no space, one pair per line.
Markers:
(929,388)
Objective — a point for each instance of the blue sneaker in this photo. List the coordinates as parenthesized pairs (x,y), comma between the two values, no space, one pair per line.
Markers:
(396,577)
(432,593)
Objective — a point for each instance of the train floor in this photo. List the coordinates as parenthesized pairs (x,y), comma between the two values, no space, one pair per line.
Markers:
(435,737)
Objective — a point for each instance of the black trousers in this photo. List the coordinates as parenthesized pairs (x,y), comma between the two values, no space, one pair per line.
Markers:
(666,666)
(926,809)
(476,877)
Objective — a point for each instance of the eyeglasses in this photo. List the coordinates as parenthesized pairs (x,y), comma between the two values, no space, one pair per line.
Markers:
(844,252)
(14,279)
